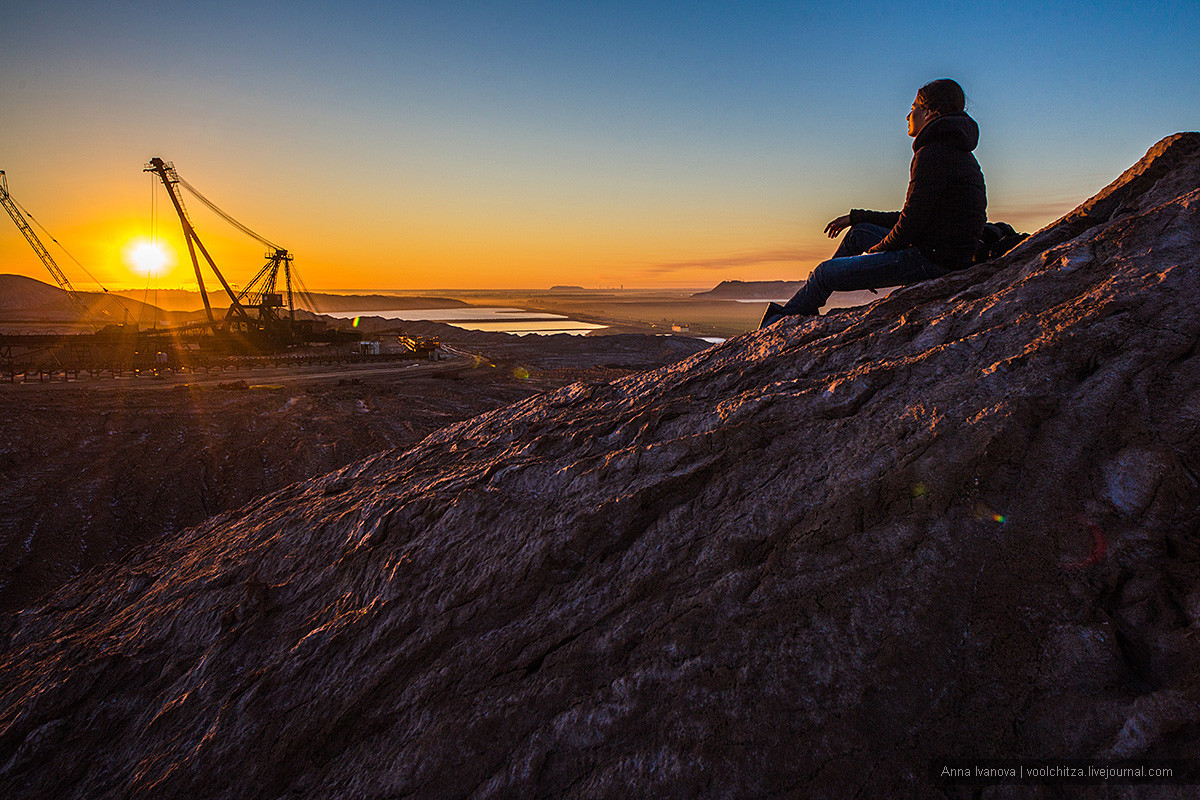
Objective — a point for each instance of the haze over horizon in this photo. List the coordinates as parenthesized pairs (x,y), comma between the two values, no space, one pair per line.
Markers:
(481,145)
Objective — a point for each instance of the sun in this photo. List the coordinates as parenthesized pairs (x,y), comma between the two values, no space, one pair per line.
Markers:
(147,258)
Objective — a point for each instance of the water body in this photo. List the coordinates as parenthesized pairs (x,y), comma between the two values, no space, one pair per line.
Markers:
(516,321)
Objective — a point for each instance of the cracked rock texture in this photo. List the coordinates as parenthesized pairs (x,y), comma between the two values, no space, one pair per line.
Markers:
(961,521)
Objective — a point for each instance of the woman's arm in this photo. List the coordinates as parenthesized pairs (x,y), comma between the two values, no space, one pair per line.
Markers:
(884,219)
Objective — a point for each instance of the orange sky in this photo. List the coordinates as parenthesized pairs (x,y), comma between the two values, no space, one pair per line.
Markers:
(468,145)
(437,240)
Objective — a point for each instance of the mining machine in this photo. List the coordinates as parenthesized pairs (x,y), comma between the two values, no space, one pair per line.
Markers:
(18,217)
(258,319)
(116,341)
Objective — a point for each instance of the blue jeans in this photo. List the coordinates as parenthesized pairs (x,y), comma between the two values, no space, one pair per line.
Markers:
(850,269)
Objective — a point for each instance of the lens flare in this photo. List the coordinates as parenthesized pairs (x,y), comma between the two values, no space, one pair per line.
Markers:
(984,512)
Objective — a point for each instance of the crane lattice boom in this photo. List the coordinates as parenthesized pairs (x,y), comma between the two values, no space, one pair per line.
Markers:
(60,278)
(261,295)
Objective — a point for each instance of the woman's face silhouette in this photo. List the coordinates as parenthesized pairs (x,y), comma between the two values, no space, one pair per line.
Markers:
(918,118)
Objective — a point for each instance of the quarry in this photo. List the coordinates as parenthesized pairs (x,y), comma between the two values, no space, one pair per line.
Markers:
(815,560)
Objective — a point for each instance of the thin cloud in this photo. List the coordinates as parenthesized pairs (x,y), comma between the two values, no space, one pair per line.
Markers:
(809,253)
(1023,215)
(1032,215)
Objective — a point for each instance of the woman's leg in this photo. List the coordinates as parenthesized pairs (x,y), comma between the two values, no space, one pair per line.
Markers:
(868,271)
(859,239)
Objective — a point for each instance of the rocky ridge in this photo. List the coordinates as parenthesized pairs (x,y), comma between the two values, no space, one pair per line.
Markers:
(961,521)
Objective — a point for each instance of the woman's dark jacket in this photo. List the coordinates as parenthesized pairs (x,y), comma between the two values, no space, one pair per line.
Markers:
(946,206)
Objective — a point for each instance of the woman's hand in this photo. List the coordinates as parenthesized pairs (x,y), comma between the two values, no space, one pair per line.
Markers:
(838,225)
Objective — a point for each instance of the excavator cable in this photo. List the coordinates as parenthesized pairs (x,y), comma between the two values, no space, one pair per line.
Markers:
(50,236)
(21,217)
(306,295)
(223,215)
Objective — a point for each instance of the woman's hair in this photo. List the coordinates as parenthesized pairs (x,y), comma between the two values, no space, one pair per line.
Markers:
(942,96)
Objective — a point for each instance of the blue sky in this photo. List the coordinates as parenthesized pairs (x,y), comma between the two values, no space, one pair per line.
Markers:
(421,144)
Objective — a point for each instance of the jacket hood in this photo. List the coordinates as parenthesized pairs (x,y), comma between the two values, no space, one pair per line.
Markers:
(956,130)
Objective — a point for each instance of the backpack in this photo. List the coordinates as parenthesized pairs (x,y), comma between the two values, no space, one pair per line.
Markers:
(996,239)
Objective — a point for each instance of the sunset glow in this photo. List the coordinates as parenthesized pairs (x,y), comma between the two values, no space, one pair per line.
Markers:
(459,144)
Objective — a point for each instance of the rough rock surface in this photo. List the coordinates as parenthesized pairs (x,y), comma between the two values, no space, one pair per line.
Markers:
(96,468)
(961,521)
(93,470)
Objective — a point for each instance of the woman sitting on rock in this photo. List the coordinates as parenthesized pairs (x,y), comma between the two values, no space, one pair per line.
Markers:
(935,233)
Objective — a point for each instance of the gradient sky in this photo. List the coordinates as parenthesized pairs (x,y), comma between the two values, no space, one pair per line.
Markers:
(408,145)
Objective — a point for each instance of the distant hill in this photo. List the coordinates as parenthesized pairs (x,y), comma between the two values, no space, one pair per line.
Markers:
(28,300)
(380,302)
(18,293)
(751,290)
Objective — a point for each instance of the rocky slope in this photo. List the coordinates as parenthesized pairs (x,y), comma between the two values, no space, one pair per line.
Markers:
(96,468)
(135,464)
(959,522)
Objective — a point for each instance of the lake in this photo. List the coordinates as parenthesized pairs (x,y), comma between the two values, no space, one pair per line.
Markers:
(518,321)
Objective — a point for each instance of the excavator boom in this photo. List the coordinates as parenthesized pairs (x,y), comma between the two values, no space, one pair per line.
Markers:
(263,312)
(60,278)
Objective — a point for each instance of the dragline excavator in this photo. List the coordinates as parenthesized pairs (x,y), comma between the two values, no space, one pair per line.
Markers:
(14,211)
(258,319)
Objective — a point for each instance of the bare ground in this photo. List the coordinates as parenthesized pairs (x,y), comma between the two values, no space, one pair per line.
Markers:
(92,469)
